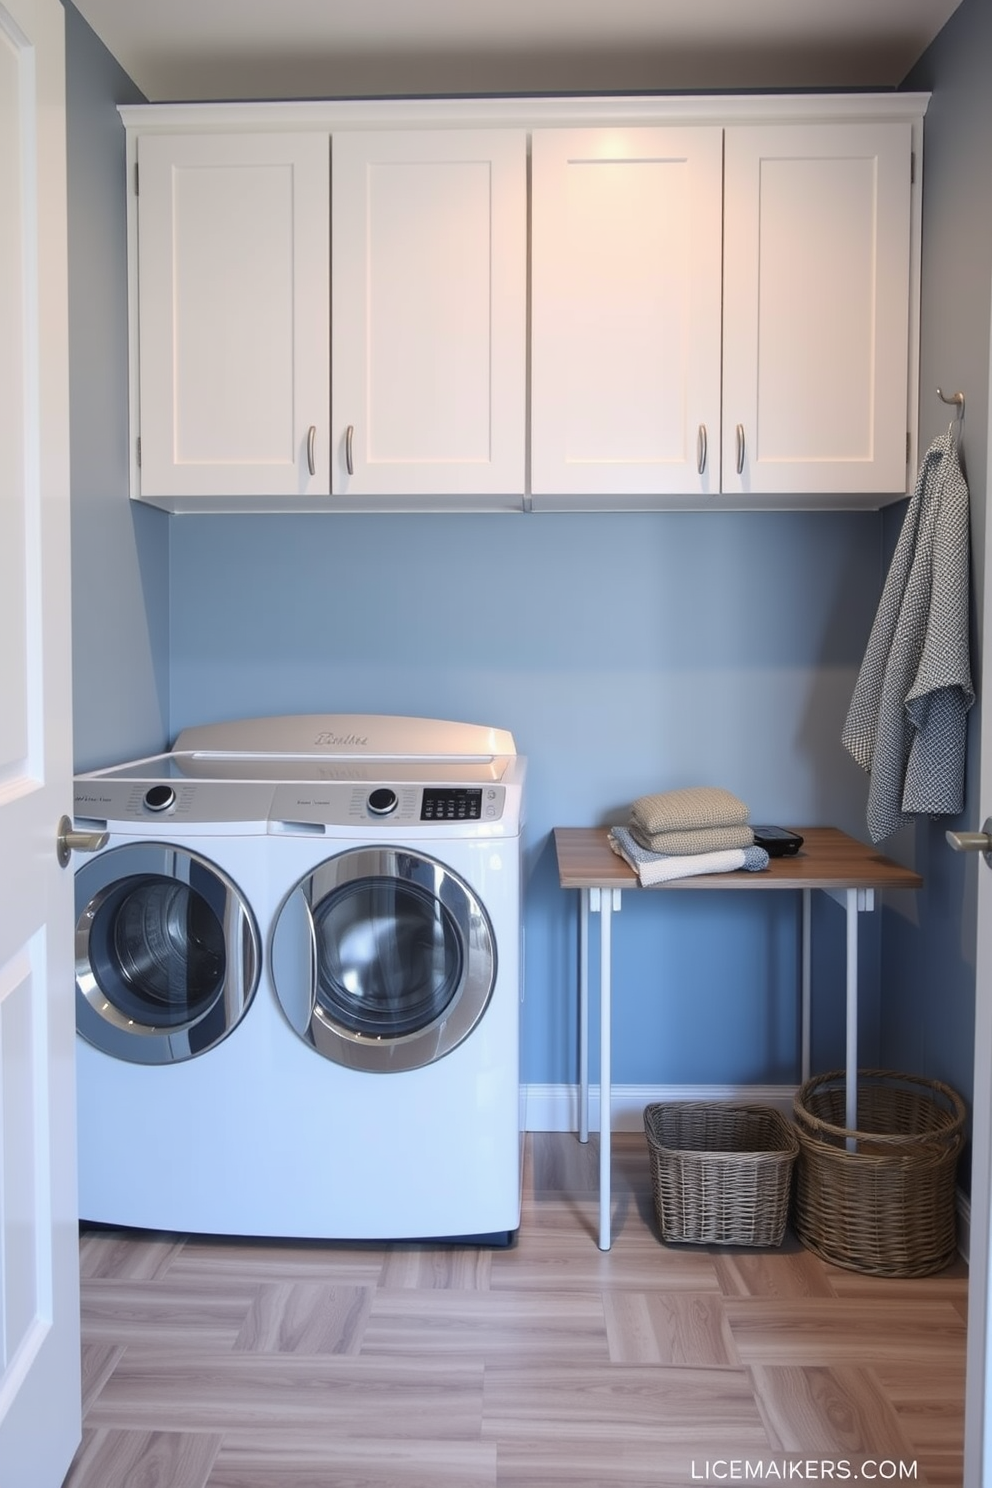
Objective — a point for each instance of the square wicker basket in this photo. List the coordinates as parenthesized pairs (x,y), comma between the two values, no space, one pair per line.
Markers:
(721,1174)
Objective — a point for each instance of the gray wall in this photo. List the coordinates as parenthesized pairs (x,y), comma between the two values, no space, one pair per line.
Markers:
(120,552)
(928,946)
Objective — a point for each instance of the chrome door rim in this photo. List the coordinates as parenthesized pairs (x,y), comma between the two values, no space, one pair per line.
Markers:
(116,1030)
(311,1018)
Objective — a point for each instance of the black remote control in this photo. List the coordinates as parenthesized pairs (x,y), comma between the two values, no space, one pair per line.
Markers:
(778,842)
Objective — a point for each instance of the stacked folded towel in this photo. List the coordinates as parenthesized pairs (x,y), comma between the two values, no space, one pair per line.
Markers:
(658,868)
(699,819)
(683,833)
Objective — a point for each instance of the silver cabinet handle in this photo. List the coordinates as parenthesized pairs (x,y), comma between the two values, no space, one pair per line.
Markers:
(349,447)
(740,449)
(973,841)
(311,442)
(701,449)
(69,841)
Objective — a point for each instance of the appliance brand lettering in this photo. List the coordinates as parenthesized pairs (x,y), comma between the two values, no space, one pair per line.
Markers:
(335,741)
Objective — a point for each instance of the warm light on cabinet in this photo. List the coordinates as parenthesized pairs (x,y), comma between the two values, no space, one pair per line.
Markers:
(599,304)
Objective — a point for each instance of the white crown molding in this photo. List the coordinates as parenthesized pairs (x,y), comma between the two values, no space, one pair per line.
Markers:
(633,110)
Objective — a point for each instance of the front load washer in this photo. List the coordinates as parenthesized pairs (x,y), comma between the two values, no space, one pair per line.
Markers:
(365,1083)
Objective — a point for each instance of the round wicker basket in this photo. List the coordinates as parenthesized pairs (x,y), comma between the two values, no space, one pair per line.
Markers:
(879,1198)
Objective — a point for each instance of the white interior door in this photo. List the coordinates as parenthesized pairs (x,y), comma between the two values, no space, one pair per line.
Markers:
(978,1400)
(39,1252)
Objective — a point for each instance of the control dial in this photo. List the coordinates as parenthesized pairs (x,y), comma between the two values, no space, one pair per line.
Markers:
(382,801)
(160,797)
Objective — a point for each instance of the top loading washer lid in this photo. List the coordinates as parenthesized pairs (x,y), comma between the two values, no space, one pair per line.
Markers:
(350,736)
(284,768)
(227,772)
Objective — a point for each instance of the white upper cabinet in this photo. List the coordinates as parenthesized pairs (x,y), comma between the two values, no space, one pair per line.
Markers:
(816,338)
(625,322)
(385,305)
(793,243)
(232,392)
(429,315)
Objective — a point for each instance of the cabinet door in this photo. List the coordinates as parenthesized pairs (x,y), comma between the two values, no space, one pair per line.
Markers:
(625,341)
(233,315)
(429,253)
(816,308)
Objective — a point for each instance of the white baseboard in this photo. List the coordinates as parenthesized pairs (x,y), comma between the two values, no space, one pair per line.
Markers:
(553,1108)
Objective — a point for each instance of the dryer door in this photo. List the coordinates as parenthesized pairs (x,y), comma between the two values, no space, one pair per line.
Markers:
(383,959)
(167,953)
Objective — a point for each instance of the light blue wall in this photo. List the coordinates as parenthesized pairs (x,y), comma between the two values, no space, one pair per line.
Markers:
(928,956)
(120,564)
(627,654)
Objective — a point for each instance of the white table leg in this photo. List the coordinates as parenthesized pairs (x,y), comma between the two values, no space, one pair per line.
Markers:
(807,981)
(854,902)
(605,901)
(584,1015)
(851,1073)
(605,1071)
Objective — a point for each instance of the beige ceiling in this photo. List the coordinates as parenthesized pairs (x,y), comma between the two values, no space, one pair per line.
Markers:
(225,49)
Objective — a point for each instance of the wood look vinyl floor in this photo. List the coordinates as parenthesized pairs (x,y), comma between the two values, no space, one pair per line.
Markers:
(212,1363)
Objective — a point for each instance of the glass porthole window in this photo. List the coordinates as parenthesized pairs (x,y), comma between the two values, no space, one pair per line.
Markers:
(167,954)
(383,959)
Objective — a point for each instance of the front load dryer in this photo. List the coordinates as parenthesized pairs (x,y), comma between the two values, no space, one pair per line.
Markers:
(169,971)
(370,1089)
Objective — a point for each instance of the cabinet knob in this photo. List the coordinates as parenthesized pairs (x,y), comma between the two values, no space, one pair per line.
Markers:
(740,449)
(701,449)
(311,442)
(349,447)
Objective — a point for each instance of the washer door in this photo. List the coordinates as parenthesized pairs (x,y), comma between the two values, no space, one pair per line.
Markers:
(167,953)
(383,959)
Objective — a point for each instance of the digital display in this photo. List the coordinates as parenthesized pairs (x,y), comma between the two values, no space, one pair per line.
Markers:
(447,804)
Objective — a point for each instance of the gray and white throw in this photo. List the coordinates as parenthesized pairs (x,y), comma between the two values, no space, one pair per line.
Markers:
(906,724)
(660,868)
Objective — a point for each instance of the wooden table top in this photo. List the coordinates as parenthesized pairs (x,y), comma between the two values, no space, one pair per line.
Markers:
(828,859)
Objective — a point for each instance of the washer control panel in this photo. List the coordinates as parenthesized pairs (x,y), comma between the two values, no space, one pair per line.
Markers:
(398,806)
(446,803)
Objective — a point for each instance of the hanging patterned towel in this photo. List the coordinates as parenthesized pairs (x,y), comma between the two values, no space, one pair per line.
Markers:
(907,721)
(658,868)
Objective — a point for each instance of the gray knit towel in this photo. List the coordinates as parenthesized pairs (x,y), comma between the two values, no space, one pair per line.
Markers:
(659,868)
(684,810)
(907,724)
(699,840)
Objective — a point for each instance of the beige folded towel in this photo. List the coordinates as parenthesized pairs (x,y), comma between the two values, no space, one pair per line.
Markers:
(686,810)
(699,840)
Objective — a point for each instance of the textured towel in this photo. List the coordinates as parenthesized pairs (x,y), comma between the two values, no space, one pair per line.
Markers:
(700,840)
(658,868)
(684,810)
(907,721)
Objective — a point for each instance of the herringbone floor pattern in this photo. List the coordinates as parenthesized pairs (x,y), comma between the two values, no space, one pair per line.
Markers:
(245,1364)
